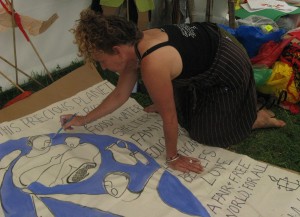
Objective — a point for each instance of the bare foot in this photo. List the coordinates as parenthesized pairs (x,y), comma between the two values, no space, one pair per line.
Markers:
(271,114)
(265,119)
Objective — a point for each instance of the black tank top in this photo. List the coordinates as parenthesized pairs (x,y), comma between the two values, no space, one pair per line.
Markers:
(196,43)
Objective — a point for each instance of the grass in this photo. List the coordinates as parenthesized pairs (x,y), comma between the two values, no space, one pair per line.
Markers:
(279,147)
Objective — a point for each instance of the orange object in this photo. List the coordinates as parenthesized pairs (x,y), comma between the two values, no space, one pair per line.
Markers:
(23,95)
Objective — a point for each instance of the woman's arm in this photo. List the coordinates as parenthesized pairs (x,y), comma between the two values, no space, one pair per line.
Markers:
(158,81)
(113,101)
(160,89)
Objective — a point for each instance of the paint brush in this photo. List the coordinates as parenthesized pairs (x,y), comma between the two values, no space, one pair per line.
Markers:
(64,121)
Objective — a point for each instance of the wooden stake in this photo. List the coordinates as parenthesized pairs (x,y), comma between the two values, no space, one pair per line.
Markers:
(11,4)
(207,11)
(176,12)
(15,84)
(127,10)
(24,73)
(49,74)
(231,13)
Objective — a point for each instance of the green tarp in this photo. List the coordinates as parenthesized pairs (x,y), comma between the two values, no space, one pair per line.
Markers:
(269,13)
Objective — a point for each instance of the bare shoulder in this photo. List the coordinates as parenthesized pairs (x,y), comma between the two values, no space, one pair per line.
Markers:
(165,59)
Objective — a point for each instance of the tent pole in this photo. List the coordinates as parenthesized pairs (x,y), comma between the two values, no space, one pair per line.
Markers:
(11,4)
(49,74)
(127,10)
(24,73)
(15,84)
(231,13)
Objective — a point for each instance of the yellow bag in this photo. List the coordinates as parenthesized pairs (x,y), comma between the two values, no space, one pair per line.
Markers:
(281,79)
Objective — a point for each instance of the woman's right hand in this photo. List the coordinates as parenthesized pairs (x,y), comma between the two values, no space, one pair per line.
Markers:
(76,121)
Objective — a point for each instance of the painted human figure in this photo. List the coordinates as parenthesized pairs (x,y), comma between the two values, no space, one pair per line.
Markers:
(52,165)
(79,163)
(126,201)
(5,162)
(124,185)
(58,164)
(31,167)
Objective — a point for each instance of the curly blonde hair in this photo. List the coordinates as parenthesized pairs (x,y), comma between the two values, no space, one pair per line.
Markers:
(96,32)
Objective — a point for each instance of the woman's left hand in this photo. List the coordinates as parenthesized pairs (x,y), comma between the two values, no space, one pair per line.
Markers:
(186,164)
